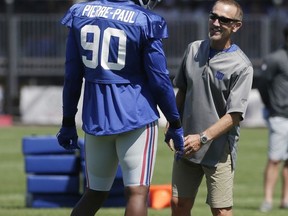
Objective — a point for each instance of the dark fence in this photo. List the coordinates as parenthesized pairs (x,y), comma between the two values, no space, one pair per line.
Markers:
(32,47)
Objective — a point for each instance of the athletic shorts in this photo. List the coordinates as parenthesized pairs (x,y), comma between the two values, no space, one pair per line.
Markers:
(187,177)
(278,138)
(134,151)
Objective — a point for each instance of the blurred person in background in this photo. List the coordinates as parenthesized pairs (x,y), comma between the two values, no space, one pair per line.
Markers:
(273,88)
(116,46)
(214,82)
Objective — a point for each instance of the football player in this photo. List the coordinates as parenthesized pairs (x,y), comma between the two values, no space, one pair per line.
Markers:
(116,47)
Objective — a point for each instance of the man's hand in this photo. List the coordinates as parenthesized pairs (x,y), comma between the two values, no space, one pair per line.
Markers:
(192,144)
(67,137)
(177,136)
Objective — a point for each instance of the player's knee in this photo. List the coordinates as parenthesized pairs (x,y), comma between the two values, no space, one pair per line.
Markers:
(136,191)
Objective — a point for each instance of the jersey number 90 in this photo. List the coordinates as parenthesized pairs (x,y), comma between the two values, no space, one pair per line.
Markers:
(94,45)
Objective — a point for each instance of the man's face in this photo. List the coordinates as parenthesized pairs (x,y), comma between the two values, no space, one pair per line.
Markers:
(222,23)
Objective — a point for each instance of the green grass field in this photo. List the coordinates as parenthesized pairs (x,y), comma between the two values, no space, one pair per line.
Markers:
(248,191)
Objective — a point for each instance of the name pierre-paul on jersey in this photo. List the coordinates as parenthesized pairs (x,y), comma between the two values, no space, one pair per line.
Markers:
(123,15)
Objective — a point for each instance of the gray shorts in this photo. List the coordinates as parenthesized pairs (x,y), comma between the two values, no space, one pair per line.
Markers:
(135,151)
(187,177)
(278,138)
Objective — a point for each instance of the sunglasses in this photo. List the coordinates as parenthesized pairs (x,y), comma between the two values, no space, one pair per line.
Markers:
(221,19)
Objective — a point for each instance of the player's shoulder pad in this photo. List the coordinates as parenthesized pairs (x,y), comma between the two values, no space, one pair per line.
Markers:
(157,28)
(153,24)
(68,17)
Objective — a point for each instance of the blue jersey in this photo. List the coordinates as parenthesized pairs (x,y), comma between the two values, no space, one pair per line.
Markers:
(116,46)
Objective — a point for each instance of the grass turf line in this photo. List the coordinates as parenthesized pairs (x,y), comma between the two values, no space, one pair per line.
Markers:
(248,186)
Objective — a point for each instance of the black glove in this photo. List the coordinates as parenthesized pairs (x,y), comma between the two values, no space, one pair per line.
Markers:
(67,136)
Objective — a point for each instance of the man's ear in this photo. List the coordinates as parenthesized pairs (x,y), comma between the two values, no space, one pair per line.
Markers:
(236,26)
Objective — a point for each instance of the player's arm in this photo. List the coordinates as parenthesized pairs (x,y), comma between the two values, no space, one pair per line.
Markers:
(161,86)
(156,69)
(67,136)
(159,81)
(72,80)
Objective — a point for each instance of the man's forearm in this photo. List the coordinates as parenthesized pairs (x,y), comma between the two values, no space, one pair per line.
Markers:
(222,125)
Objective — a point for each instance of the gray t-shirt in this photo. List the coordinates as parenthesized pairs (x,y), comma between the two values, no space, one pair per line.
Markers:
(213,88)
(274,84)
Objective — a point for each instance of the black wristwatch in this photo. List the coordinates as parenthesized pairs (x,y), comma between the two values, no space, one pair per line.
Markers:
(203,139)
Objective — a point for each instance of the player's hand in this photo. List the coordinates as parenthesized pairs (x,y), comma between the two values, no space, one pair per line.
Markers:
(67,138)
(175,140)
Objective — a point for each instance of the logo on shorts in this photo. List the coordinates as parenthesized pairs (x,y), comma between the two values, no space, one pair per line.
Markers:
(219,75)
